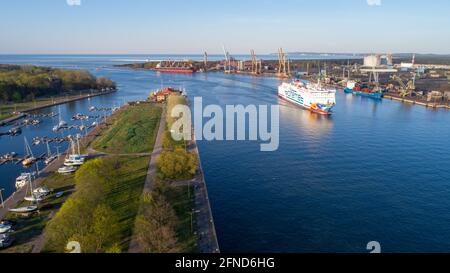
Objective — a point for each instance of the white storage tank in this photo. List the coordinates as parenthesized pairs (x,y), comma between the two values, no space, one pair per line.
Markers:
(372,61)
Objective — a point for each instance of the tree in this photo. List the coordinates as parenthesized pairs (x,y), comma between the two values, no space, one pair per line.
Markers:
(155,227)
(17,97)
(105,228)
(177,164)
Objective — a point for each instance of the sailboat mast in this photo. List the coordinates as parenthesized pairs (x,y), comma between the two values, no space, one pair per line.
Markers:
(73,146)
(28,148)
(48,150)
(78,144)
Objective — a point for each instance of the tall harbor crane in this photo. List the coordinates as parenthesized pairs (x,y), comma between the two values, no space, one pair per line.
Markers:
(407,89)
(284,67)
(227,66)
(256,64)
(205,61)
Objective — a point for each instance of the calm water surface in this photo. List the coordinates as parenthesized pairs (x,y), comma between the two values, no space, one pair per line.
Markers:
(373,171)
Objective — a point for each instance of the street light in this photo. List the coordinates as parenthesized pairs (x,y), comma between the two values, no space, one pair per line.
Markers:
(1,197)
(192,221)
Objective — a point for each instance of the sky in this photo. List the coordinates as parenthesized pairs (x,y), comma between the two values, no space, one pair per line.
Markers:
(195,26)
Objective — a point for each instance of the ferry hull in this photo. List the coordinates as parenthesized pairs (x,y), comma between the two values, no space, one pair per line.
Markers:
(317,111)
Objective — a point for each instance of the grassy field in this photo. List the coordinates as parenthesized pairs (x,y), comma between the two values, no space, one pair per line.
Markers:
(30,228)
(134,130)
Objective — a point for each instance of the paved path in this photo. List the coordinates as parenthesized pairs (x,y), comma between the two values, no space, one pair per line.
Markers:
(151,172)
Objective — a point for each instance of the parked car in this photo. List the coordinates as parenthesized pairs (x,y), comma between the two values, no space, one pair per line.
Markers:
(6,240)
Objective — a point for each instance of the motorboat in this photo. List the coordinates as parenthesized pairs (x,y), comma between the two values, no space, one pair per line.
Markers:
(42,191)
(74,160)
(23,180)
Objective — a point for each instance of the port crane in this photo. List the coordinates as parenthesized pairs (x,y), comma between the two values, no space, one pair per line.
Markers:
(407,89)
(205,60)
(256,64)
(227,66)
(284,66)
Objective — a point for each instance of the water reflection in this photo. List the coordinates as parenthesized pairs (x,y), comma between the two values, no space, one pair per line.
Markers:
(307,123)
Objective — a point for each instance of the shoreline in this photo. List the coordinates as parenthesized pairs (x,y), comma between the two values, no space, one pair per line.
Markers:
(205,218)
(82,97)
(433,105)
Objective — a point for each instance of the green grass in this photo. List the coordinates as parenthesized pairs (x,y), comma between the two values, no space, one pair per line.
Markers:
(29,228)
(124,193)
(183,202)
(134,130)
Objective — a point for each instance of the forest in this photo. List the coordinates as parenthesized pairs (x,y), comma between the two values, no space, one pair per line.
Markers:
(21,83)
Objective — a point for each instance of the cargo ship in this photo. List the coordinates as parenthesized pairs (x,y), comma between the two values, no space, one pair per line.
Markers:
(311,96)
(362,90)
(174,67)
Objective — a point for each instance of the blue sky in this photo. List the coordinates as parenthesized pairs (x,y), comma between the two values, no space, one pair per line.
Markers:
(193,26)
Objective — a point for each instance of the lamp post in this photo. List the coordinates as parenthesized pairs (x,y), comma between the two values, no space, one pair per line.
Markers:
(1,197)
(192,221)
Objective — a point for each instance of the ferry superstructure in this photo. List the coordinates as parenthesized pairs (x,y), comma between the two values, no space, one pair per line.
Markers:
(311,96)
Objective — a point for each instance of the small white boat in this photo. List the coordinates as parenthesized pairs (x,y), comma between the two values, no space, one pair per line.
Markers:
(24,209)
(74,160)
(42,191)
(59,194)
(67,170)
(50,159)
(23,180)
(5,228)
(34,198)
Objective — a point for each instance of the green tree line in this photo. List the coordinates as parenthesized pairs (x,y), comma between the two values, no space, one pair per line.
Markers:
(102,210)
(26,82)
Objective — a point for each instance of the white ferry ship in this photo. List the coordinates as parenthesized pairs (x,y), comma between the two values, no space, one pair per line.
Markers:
(311,96)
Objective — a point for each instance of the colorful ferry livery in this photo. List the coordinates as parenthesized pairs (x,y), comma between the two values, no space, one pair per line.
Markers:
(309,95)
(362,90)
